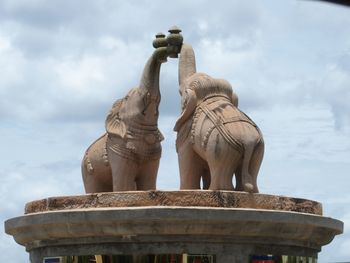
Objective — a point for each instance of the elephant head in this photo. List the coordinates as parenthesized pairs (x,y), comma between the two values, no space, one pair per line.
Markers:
(140,106)
(196,87)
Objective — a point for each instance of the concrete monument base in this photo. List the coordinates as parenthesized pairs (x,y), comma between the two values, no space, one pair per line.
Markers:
(231,225)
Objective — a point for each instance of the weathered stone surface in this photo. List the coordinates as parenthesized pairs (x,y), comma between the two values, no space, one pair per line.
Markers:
(215,139)
(190,198)
(127,156)
(166,229)
(225,223)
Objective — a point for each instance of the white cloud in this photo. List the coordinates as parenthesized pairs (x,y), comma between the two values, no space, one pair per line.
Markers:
(81,76)
(64,63)
(5,44)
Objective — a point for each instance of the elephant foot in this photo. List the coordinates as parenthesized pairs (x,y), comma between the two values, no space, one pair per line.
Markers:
(248,188)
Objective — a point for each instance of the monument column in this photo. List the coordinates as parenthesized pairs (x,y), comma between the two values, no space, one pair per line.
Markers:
(36,256)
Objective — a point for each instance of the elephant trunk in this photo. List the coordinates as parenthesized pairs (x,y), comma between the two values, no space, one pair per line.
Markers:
(150,76)
(187,64)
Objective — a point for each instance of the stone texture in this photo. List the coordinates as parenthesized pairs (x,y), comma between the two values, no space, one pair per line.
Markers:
(137,230)
(215,139)
(185,198)
(127,156)
(231,225)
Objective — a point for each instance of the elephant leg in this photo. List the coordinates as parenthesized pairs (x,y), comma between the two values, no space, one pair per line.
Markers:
(239,181)
(255,164)
(124,172)
(253,170)
(206,178)
(146,179)
(191,167)
(223,161)
(222,173)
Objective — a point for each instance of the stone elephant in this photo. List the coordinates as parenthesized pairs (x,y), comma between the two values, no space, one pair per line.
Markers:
(127,156)
(215,140)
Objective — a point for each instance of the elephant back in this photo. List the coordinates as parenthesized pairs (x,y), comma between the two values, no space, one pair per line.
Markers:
(218,113)
(223,109)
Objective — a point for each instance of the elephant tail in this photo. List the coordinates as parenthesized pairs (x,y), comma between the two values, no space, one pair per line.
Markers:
(247,178)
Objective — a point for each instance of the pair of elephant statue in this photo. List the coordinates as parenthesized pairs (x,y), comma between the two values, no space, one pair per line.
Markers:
(215,140)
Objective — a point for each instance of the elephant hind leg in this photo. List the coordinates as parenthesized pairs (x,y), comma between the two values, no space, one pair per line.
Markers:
(221,178)
(239,181)
(206,177)
(223,160)
(222,172)
(255,163)
(247,172)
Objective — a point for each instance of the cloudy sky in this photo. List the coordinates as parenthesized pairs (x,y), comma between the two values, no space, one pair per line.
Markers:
(63,64)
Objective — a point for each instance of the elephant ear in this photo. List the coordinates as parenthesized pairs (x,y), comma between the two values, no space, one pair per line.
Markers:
(190,104)
(114,125)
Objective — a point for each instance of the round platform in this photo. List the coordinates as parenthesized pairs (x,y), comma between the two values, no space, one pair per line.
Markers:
(184,198)
(76,226)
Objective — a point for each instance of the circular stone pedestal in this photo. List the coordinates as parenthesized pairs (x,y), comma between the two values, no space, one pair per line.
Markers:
(231,225)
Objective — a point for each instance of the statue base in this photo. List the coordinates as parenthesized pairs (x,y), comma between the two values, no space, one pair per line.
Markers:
(233,226)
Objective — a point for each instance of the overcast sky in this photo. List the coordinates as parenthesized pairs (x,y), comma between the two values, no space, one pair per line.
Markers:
(64,63)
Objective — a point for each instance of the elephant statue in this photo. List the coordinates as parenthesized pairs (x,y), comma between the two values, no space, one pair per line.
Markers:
(127,156)
(215,140)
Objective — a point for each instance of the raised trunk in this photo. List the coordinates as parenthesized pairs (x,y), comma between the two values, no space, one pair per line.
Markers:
(187,64)
(150,76)
(142,104)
